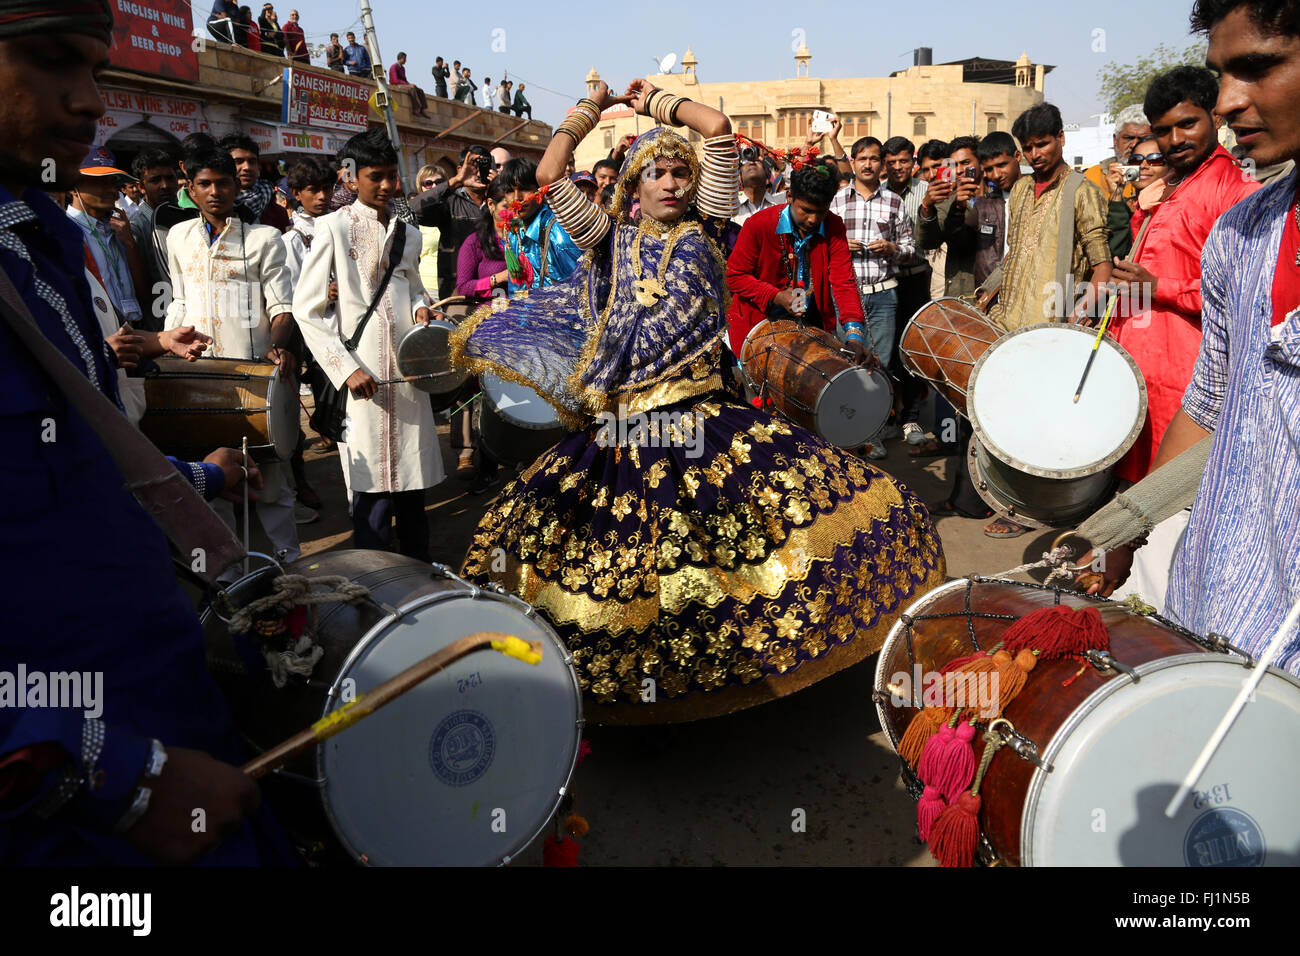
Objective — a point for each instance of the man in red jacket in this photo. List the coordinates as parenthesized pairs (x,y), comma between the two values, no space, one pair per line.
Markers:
(1160,326)
(799,247)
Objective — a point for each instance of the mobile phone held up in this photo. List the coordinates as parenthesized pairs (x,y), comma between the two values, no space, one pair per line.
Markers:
(485,166)
(822,121)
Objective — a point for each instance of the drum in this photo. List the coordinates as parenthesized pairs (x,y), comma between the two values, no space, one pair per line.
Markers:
(465,769)
(942,343)
(196,407)
(1037,456)
(516,424)
(1113,745)
(805,374)
(425,351)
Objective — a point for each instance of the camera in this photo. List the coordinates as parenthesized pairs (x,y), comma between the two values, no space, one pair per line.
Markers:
(485,166)
(1131,173)
(749,154)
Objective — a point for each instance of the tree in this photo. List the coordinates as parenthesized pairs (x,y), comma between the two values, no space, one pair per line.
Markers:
(1123,84)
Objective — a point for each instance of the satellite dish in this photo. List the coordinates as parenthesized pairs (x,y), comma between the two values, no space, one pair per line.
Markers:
(666,64)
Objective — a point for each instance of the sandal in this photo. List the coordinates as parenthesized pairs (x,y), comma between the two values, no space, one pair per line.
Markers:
(1005,528)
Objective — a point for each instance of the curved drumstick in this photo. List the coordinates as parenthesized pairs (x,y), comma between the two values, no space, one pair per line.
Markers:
(530,652)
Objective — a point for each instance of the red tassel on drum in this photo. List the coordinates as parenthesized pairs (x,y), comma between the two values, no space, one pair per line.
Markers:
(758,401)
(926,765)
(954,766)
(927,811)
(956,833)
(1058,631)
(559,852)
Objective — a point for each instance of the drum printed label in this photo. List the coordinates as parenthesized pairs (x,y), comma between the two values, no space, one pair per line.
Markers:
(462,748)
(1224,836)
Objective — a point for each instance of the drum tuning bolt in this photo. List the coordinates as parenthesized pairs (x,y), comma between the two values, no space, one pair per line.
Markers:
(1020,745)
(1103,661)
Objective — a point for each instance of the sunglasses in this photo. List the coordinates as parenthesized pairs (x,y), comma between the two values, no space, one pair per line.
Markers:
(1155,159)
(431,182)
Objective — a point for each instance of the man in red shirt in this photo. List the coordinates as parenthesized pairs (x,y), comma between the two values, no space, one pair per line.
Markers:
(1160,324)
(295,43)
(397,77)
(800,246)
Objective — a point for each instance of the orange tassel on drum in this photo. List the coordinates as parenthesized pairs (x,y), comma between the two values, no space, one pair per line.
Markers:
(1058,631)
(924,725)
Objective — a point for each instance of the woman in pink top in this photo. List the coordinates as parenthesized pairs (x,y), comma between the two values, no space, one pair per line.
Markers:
(481,264)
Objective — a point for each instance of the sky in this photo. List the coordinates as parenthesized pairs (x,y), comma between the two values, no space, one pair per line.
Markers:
(551,46)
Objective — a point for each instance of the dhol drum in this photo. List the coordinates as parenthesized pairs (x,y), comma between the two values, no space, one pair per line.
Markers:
(942,342)
(1112,745)
(1037,456)
(425,353)
(465,769)
(196,407)
(516,424)
(807,377)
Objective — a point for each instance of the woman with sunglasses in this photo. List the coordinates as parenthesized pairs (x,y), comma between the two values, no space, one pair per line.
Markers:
(1123,215)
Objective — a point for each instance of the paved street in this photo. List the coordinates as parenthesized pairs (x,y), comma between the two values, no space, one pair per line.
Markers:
(724,791)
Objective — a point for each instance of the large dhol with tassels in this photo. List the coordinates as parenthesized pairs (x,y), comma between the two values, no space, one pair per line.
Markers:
(1099,713)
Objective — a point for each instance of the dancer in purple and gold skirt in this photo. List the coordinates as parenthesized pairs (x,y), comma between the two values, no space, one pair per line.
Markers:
(697,555)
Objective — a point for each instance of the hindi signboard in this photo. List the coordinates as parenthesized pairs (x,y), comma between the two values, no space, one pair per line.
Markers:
(332,102)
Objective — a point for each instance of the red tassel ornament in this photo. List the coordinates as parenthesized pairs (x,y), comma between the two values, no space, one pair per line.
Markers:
(927,811)
(1058,631)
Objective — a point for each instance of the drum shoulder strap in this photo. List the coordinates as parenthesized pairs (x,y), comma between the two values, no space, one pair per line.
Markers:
(394,259)
(1065,234)
(178,510)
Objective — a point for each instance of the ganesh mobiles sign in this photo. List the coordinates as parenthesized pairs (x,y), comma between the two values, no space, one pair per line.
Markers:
(154,36)
(333,102)
(171,114)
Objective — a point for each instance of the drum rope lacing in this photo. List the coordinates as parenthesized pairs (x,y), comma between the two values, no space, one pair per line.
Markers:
(293,590)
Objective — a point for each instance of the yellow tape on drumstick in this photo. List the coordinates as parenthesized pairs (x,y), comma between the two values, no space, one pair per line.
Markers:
(513,646)
(338,720)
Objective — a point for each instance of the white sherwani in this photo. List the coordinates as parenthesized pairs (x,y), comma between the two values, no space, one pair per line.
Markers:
(391,443)
(230,289)
(223,288)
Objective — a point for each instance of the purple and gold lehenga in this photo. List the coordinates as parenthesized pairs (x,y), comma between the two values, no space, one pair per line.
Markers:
(720,557)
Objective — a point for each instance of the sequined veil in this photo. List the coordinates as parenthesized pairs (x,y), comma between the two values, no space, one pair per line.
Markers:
(719,556)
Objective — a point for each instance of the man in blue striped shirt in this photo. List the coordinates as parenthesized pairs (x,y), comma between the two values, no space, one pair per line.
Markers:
(1238,570)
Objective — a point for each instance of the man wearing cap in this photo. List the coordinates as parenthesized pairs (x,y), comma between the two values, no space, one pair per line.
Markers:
(587,183)
(112,255)
(116,782)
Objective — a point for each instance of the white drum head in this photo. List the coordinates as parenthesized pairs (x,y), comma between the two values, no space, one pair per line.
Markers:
(1022,401)
(282,415)
(853,406)
(519,404)
(1124,752)
(468,767)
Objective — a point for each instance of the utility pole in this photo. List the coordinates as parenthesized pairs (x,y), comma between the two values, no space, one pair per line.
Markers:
(383,99)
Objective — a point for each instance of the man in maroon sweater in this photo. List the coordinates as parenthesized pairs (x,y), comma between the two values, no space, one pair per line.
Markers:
(799,247)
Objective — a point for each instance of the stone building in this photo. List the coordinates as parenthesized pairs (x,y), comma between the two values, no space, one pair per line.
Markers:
(238,89)
(925,101)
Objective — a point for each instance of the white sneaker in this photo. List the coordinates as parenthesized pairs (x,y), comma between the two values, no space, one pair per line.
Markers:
(304,389)
(874,452)
(912,434)
(304,515)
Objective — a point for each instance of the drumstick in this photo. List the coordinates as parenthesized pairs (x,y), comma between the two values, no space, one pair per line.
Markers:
(1243,697)
(244,465)
(409,378)
(530,652)
(1096,344)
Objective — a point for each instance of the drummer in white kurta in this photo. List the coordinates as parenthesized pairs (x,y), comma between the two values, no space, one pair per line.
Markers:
(391,443)
(230,282)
